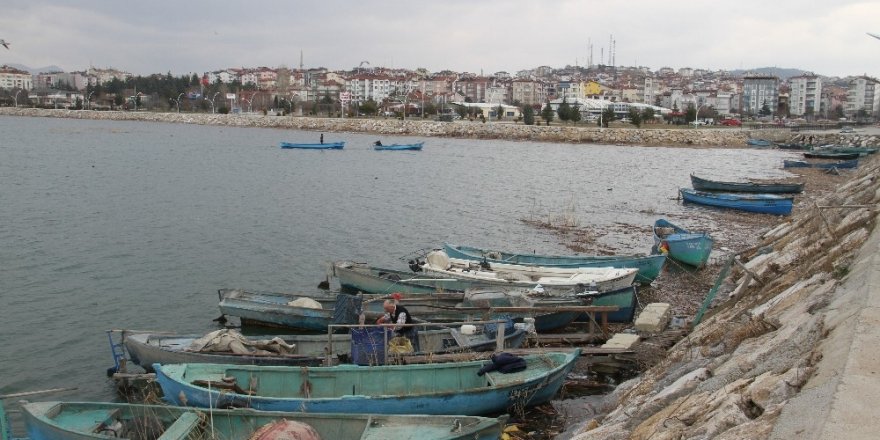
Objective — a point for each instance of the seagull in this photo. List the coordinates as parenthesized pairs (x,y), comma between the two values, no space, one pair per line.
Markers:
(873,35)
(4,43)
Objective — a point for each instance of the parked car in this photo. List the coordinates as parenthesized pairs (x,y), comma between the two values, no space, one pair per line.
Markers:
(731,122)
(847,129)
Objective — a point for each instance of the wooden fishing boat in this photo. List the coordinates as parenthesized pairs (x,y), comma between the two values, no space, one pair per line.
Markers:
(399,147)
(285,310)
(437,263)
(445,388)
(146,349)
(792,146)
(761,203)
(861,151)
(692,248)
(321,146)
(360,277)
(701,184)
(843,164)
(818,154)
(101,421)
(758,142)
(625,299)
(649,266)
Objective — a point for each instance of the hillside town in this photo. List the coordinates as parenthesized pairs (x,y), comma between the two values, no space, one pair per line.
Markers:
(685,95)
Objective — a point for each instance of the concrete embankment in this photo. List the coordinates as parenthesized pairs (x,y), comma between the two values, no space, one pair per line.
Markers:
(789,348)
(654,135)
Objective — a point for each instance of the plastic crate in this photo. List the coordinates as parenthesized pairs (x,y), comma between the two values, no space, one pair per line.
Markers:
(368,346)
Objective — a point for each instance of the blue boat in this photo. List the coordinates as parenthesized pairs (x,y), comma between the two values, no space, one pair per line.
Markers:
(105,420)
(760,203)
(758,142)
(439,388)
(322,146)
(804,164)
(398,147)
(691,248)
(649,266)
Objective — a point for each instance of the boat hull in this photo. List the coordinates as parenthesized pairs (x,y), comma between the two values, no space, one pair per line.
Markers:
(649,266)
(682,245)
(453,388)
(399,147)
(802,164)
(760,203)
(701,184)
(624,299)
(324,146)
(78,420)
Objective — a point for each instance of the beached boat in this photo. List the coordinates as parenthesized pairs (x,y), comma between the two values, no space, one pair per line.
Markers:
(861,151)
(554,279)
(146,349)
(826,165)
(444,388)
(399,147)
(321,146)
(625,299)
(649,266)
(758,142)
(792,146)
(692,248)
(102,420)
(294,311)
(761,203)
(701,184)
(819,154)
(360,277)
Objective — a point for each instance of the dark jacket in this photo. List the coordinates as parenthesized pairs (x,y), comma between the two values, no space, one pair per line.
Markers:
(504,363)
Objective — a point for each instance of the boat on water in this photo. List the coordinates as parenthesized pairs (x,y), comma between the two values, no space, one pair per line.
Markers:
(818,154)
(553,279)
(378,146)
(440,388)
(691,248)
(701,184)
(825,165)
(148,348)
(648,266)
(760,203)
(321,146)
(758,143)
(104,420)
(295,311)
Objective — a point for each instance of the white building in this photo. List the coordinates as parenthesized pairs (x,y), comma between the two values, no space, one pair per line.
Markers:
(806,94)
(12,78)
(863,95)
(760,91)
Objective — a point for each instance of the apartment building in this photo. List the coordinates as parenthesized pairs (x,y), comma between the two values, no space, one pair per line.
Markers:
(863,95)
(12,78)
(528,92)
(805,97)
(758,91)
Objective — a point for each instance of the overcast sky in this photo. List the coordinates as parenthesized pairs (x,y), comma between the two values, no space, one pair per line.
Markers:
(143,37)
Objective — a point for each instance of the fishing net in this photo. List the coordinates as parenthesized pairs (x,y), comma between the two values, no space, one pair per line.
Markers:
(347,309)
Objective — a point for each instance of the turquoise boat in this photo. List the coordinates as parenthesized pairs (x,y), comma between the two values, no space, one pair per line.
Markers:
(691,248)
(360,277)
(649,266)
(624,299)
(443,389)
(321,146)
(758,143)
(399,147)
(102,421)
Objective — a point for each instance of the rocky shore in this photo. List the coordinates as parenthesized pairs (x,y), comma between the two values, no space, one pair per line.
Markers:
(653,135)
(787,351)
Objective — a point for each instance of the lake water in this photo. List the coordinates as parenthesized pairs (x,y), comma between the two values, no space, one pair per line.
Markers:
(134,225)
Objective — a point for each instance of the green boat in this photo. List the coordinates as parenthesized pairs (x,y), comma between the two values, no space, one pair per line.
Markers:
(444,389)
(98,420)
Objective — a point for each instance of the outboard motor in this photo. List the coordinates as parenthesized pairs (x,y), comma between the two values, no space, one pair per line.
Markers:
(415,265)
(484,264)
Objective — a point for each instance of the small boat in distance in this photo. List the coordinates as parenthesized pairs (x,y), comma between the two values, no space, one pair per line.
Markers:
(104,420)
(321,146)
(760,203)
(758,142)
(804,164)
(378,146)
(819,154)
(691,248)
(701,184)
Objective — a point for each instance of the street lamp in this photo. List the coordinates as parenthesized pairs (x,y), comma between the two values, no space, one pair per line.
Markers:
(16,97)
(212,101)
(89,100)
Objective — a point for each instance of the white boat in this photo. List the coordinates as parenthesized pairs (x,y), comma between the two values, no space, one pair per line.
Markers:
(601,279)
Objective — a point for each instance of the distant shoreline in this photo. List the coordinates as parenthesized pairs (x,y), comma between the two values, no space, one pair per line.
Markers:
(556,132)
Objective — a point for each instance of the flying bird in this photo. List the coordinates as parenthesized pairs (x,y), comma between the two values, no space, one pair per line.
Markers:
(4,43)
(873,35)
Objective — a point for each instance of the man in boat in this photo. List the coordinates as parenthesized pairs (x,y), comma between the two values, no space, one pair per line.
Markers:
(397,314)
(378,143)
(322,138)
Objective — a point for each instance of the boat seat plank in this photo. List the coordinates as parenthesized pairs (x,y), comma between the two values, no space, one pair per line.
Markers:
(182,427)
